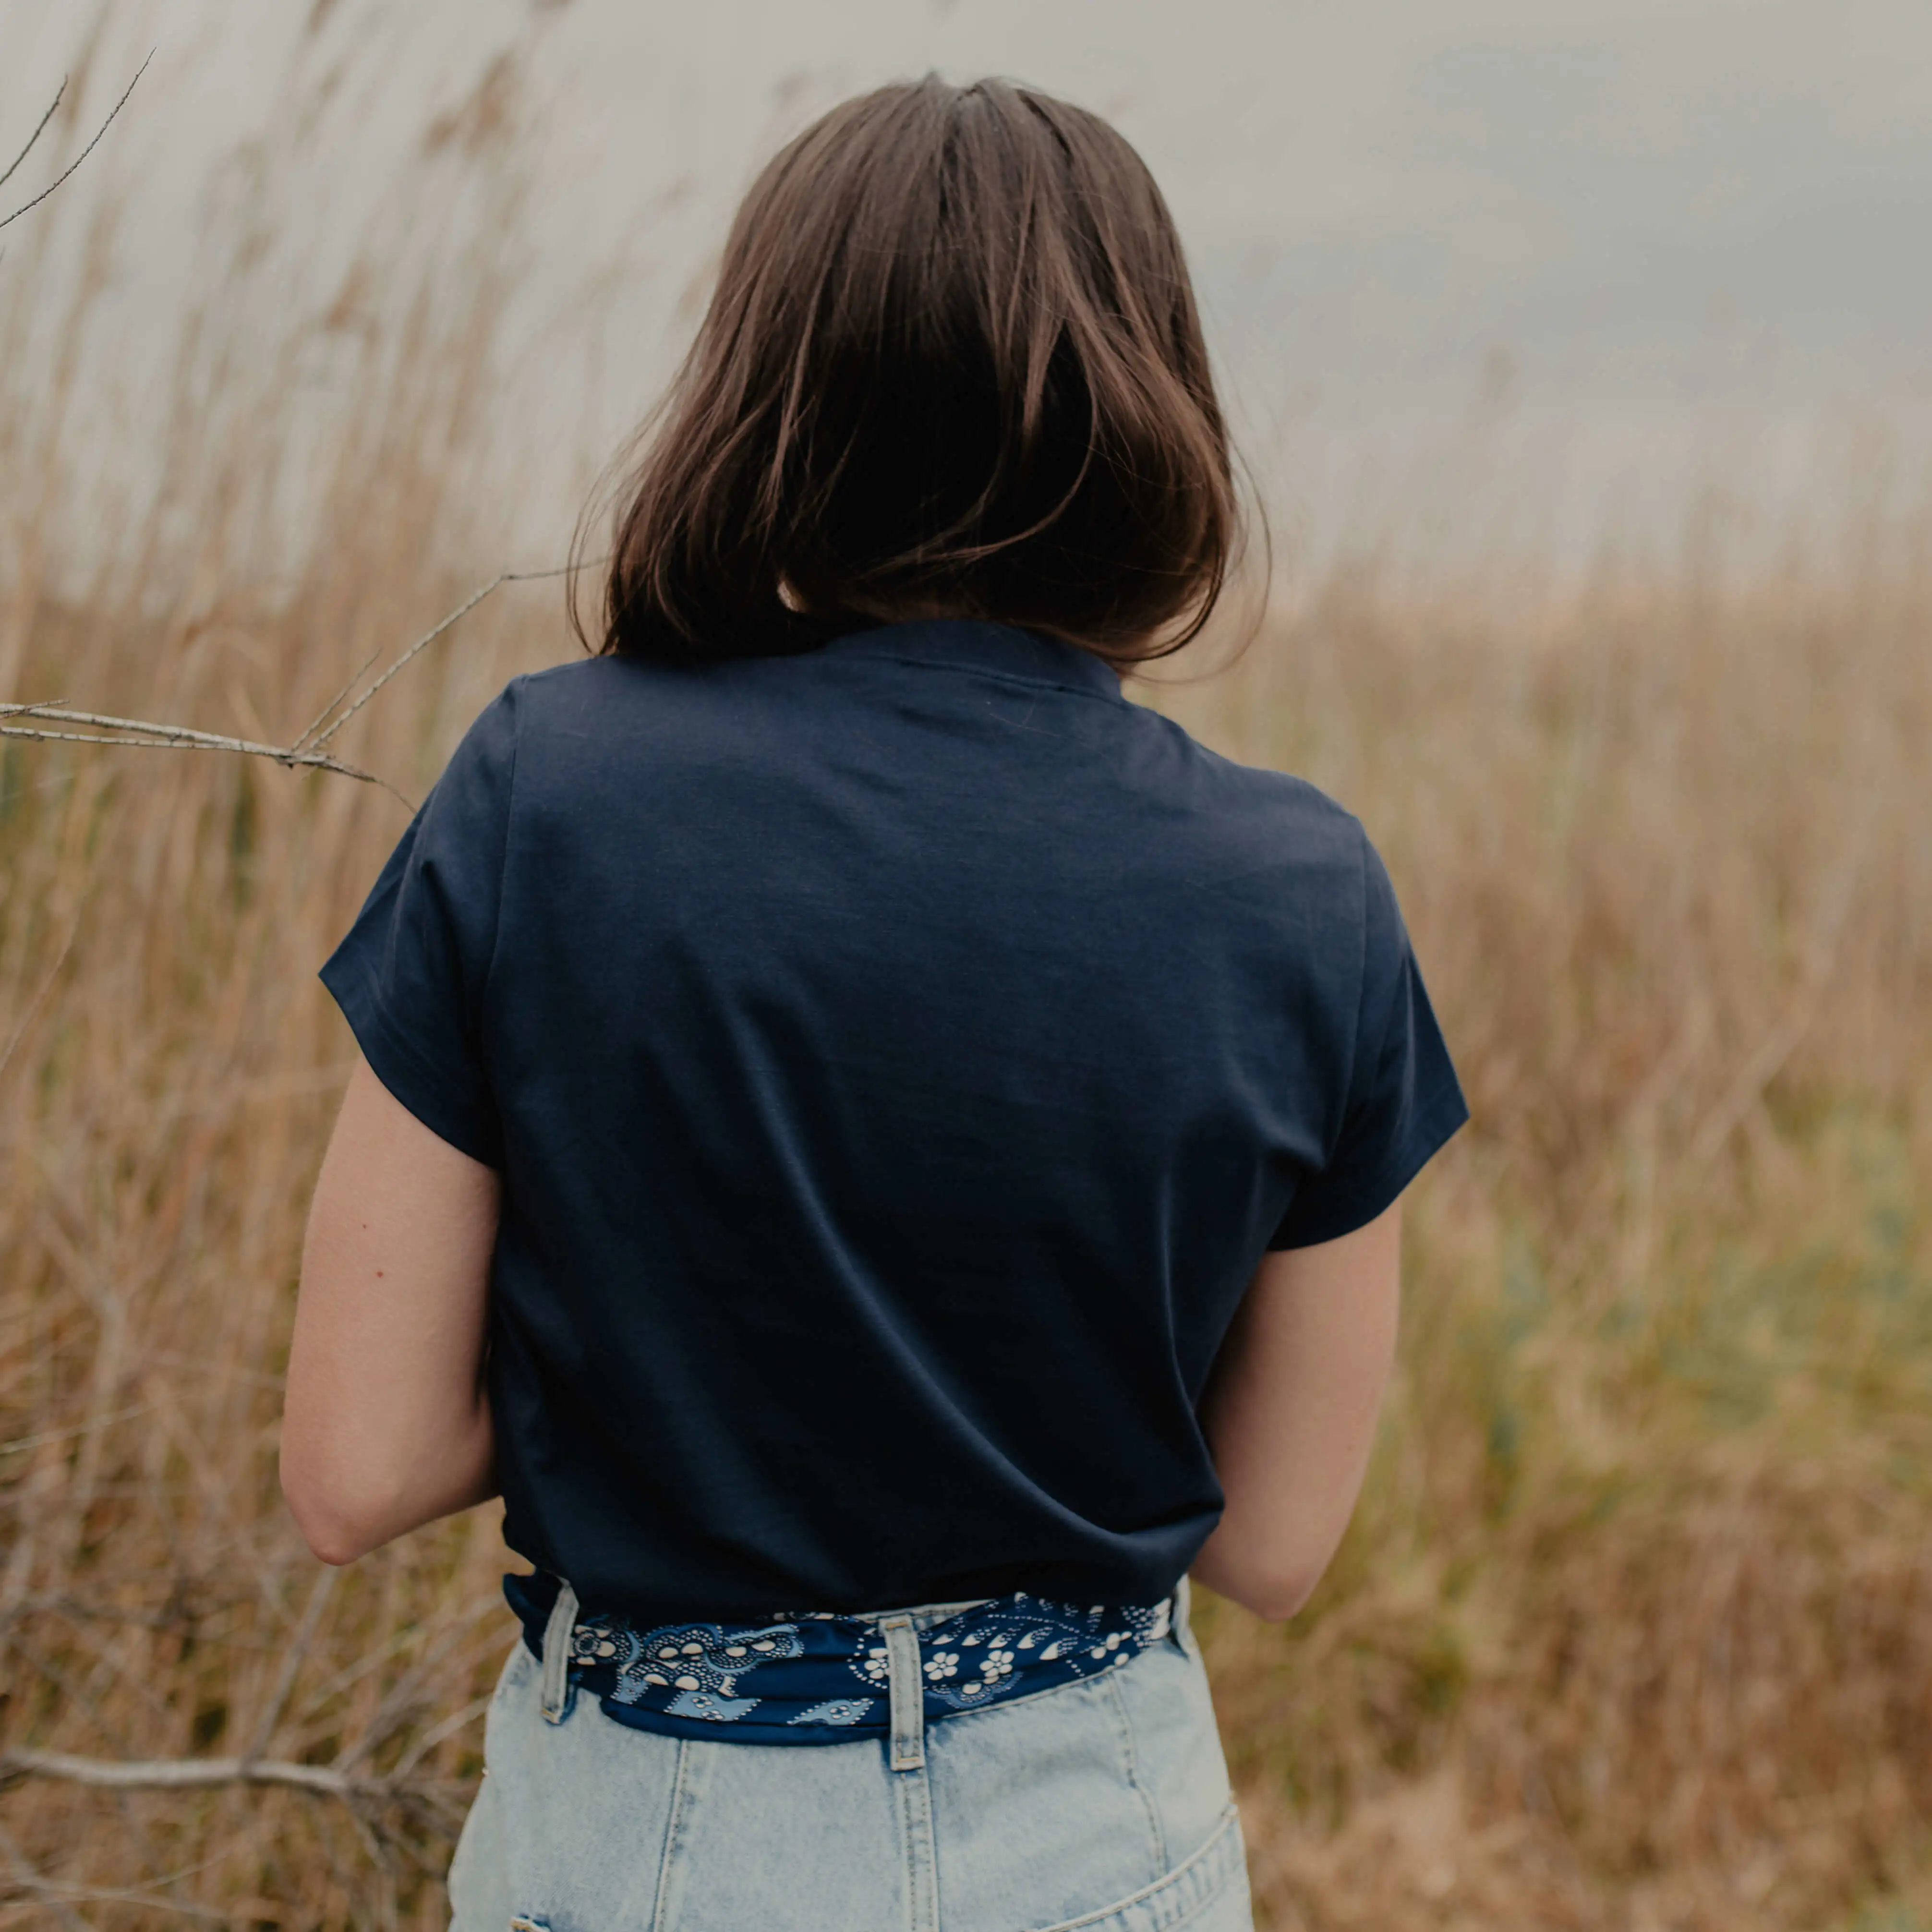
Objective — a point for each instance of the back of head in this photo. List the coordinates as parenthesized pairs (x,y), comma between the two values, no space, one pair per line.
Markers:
(952,367)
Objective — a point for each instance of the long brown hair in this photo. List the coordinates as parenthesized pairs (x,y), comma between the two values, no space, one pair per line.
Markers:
(952,367)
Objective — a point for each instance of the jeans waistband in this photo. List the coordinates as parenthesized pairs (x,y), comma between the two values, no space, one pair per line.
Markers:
(825,1677)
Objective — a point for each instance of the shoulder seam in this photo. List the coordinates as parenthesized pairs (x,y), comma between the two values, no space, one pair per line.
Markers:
(551,671)
(1307,787)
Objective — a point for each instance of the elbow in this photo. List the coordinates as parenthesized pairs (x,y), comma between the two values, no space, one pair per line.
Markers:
(331,1538)
(333,1543)
(1274,1594)
(350,1495)
(1273,1598)
(337,1527)
(1276,1600)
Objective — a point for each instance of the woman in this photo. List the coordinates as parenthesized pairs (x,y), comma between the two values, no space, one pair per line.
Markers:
(885,1153)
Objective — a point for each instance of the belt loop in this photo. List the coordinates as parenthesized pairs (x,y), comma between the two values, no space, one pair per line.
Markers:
(1182,1631)
(908,1693)
(557,1633)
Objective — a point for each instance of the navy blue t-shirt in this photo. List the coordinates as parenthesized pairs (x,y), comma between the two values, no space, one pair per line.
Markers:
(898,1058)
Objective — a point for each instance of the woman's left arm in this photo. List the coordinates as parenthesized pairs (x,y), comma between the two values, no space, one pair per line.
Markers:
(386,1423)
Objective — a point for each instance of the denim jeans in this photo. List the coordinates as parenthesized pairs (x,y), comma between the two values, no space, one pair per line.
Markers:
(1101,1804)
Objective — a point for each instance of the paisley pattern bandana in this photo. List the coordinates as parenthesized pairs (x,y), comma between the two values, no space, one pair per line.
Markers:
(821,1678)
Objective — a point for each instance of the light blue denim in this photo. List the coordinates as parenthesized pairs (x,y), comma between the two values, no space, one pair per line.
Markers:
(1101,1804)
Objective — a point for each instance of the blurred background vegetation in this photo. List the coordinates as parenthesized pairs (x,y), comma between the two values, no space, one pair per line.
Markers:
(1634,1629)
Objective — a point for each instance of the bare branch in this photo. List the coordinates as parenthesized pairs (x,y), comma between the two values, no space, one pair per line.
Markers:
(178,1773)
(37,133)
(19,1032)
(435,1735)
(1821,953)
(6,221)
(54,1891)
(99,1422)
(429,637)
(291,1662)
(403,1702)
(219,741)
(307,749)
(154,737)
(26,1878)
(318,736)
(321,717)
(93,738)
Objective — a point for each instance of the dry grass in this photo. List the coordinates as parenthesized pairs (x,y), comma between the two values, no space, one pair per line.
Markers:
(1635,1625)
(1634,1628)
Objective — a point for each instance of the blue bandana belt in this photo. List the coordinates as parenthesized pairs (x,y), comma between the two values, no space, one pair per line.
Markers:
(823,1677)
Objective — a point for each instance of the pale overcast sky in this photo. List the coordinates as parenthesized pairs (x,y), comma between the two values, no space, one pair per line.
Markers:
(1631,230)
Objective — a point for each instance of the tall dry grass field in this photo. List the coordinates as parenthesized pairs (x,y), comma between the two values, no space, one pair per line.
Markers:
(1634,1629)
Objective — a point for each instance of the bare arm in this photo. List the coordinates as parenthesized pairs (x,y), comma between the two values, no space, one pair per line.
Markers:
(386,1423)
(1290,1413)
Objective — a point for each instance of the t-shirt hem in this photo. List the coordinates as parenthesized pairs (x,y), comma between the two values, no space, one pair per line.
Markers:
(1437,1126)
(403,1071)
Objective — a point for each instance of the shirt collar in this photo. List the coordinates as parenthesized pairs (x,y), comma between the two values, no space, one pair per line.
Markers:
(970,643)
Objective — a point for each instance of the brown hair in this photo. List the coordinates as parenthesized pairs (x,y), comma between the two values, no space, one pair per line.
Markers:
(951,367)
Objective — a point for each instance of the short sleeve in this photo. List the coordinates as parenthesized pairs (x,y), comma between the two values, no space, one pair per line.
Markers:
(411,974)
(1404,1100)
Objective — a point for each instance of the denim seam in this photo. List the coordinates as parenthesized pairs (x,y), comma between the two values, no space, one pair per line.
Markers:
(673,1838)
(912,1794)
(1202,1906)
(1208,1846)
(1195,1912)
(1130,1758)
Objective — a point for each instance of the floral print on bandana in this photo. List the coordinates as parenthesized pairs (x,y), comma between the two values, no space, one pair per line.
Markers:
(695,1666)
(791,1680)
(1013,1644)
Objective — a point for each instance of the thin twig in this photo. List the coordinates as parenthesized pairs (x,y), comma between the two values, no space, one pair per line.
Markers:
(316,735)
(291,1662)
(401,1703)
(54,1891)
(99,1422)
(429,637)
(26,1875)
(1747,1088)
(93,738)
(76,1609)
(178,1773)
(218,741)
(307,749)
(7,220)
(154,737)
(321,717)
(437,1733)
(40,993)
(37,133)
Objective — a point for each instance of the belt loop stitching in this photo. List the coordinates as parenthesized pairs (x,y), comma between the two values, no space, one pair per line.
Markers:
(906,1686)
(557,1696)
